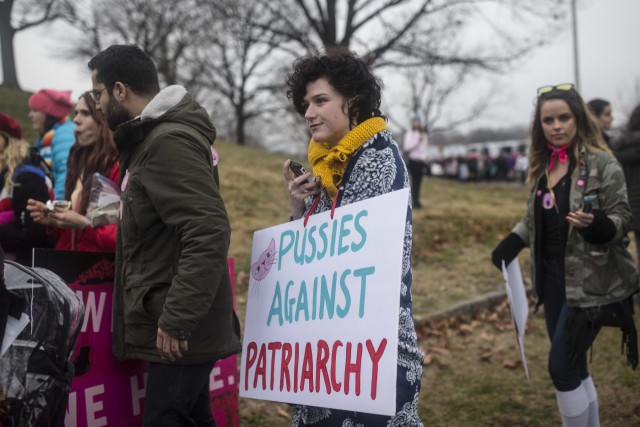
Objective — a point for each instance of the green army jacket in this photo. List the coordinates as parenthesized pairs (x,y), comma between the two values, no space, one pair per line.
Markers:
(594,274)
(173,236)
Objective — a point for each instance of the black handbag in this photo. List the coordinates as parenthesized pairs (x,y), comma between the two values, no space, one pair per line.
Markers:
(618,315)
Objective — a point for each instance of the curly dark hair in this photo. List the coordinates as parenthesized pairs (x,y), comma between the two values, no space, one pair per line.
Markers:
(347,73)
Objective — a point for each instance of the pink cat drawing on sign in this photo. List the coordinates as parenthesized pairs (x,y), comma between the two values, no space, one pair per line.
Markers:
(260,269)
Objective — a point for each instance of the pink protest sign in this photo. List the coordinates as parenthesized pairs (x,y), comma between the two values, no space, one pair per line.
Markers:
(104,391)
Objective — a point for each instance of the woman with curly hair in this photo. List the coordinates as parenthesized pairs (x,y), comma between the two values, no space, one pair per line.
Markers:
(21,178)
(576,225)
(355,157)
(94,151)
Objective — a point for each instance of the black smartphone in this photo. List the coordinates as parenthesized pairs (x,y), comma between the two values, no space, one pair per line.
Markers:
(296,168)
(588,202)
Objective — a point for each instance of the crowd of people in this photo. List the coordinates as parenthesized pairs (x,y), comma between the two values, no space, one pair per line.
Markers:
(503,162)
(59,166)
(172,234)
(509,165)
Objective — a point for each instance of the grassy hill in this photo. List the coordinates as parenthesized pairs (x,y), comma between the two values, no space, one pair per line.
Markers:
(15,103)
(453,234)
(471,375)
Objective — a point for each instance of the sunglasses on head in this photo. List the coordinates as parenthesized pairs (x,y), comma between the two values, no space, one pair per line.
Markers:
(563,86)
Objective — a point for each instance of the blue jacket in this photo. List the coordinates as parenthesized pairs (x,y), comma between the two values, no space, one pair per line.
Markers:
(55,154)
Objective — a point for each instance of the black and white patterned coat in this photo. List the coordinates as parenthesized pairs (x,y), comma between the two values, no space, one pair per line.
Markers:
(377,168)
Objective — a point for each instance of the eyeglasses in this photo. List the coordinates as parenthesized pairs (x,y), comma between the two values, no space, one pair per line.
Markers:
(563,86)
(96,94)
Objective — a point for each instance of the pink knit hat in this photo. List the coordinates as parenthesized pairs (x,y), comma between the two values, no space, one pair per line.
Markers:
(56,103)
(10,126)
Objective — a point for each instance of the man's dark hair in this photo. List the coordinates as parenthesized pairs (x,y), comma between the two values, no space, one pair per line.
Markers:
(347,73)
(126,64)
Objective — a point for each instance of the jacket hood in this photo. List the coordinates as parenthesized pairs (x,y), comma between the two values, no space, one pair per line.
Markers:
(171,104)
(174,104)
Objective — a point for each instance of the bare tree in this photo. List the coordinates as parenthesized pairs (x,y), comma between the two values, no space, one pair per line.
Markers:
(440,44)
(165,29)
(430,91)
(210,47)
(237,61)
(417,32)
(18,16)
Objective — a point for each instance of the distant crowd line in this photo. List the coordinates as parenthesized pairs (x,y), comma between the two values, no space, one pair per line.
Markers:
(479,165)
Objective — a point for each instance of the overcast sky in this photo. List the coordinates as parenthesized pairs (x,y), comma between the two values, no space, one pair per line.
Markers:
(608,35)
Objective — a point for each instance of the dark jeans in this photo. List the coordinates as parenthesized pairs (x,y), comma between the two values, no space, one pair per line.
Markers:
(566,375)
(178,396)
(416,171)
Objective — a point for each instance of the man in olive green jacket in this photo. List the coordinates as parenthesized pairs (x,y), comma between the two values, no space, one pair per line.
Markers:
(172,301)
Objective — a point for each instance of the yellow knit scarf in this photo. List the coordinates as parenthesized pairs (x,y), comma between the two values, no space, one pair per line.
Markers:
(329,163)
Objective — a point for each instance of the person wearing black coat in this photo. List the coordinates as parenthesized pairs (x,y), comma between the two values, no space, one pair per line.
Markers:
(627,150)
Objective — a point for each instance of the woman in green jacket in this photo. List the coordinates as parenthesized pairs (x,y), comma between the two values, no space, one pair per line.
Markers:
(576,225)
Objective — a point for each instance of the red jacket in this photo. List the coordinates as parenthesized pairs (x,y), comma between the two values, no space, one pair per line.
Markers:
(100,239)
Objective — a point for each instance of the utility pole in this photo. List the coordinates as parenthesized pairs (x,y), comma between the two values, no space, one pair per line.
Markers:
(576,60)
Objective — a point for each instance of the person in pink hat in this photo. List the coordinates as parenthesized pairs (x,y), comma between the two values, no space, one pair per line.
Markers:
(49,110)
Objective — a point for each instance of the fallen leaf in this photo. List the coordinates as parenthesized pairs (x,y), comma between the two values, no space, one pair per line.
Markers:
(512,364)
(487,336)
(428,359)
(465,329)
(440,350)
(475,324)
(282,412)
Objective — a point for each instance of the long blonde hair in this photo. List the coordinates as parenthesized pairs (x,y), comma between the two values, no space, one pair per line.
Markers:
(13,155)
(588,135)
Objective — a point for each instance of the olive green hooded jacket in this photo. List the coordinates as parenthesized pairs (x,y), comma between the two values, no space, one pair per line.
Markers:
(594,274)
(173,236)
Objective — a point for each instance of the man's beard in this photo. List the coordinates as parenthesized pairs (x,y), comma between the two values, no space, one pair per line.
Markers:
(116,114)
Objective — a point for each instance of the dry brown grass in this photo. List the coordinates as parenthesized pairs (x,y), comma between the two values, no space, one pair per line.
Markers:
(466,382)
(453,238)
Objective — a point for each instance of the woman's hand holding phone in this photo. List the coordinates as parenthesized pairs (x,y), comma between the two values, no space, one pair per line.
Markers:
(583,217)
(300,186)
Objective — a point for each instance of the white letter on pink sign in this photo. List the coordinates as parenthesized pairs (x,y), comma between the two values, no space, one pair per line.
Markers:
(93,310)
(94,406)
(215,384)
(137,394)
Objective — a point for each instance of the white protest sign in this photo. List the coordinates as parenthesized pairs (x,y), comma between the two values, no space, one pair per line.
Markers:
(518,304)
(322,313)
